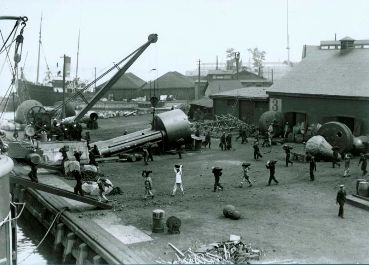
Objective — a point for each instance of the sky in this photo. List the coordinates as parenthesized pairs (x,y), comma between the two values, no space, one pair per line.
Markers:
(188,30)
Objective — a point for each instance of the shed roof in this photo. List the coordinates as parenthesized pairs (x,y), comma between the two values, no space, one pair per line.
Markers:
(127,81)
(327,72)
(203,102)
(218,86)
(173,80)
(245,92)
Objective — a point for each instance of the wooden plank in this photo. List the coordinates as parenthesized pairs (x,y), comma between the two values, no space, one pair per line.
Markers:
(56,191)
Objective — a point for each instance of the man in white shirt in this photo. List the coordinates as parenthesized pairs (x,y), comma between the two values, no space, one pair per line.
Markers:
(178,171)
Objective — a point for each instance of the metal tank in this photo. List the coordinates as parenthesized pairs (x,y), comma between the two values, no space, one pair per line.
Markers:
(175,124)
(23,108)
(360,144)
(338,135)
(274,117)
(168,127)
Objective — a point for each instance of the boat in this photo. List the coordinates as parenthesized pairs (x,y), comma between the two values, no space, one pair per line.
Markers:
(50,90)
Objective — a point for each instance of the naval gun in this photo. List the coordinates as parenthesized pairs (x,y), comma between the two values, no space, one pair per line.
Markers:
(167,129)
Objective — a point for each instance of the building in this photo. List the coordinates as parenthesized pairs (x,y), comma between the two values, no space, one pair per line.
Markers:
(246,103)
(331,83)
(126,88)
(171,84)
(201,109)
(218,86)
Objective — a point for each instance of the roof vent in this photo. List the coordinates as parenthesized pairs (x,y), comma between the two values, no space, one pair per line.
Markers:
(347,43)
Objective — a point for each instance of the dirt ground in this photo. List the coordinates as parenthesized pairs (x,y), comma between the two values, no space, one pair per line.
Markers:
(293,222)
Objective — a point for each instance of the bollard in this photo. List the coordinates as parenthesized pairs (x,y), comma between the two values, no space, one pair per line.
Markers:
(357,185)
(158,221)
(58,237)
(67,254)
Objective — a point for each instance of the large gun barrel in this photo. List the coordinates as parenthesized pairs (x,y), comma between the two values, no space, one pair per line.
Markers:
(168,128)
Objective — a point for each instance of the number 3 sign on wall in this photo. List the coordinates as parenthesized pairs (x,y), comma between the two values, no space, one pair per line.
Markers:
(275,104)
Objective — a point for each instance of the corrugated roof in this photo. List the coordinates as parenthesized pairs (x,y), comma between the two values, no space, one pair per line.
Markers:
(173,80)
(203,102)
(245,92)
(328,72)
(218,86)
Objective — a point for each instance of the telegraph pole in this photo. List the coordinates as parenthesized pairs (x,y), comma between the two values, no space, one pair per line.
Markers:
(64,70)
(237,57)
(197,88)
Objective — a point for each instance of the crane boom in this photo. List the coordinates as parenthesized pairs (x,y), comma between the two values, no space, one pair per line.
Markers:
(151,39)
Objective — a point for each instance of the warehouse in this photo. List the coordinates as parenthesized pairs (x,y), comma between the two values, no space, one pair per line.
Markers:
(246,103)
(331,83)
(171,84)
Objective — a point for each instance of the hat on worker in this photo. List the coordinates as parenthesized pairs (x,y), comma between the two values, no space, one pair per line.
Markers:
(341,186)
(244,164)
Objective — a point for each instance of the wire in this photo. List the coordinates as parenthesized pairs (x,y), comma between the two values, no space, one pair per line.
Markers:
(47,232)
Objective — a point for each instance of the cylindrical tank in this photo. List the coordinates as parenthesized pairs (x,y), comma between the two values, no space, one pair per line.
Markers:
(175,123)
(158,221)
(23,108)
(363,189)
(69,108)
(274,117)
(338,135)
(357,184)
(361,144)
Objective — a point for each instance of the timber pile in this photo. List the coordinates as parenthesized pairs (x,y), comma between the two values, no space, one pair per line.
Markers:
(228,252)
(224,123)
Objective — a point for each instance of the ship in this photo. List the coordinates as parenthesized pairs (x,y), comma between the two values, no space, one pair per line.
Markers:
(49,92)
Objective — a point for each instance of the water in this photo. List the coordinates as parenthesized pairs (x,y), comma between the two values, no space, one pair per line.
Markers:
(30,232)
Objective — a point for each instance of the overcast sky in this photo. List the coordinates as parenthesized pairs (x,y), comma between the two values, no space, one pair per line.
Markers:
(188,30)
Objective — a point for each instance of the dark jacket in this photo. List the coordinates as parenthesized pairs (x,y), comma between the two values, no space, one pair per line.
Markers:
(341,197)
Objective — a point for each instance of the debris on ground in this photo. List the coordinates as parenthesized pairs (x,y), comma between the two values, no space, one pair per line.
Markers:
(225,122)
(227,252)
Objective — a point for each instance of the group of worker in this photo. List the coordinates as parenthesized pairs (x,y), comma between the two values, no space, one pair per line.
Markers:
(69,131)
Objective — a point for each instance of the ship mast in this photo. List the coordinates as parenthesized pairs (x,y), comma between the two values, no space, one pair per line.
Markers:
(38,55)
(79,32)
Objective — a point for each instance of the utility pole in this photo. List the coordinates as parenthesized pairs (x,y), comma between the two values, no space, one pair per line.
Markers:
(79,33)
(64,70)
(216,65)
(38,56)
(288,40)
(197,87)
(237,57)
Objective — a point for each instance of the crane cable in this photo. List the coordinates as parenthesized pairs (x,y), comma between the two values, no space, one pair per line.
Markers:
(101,76)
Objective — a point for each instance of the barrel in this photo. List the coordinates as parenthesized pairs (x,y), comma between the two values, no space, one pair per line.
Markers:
(43,136)
(357,184)
(338,135)
(158,221)
(363,189)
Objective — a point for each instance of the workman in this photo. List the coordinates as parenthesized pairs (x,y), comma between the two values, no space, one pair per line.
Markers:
(217,172)
(77,155)
(287,149)
(244,136)
(178,172)
(364,163)
(245,176)
(208,139)
(96,151)
(286,130)
(341,199)
(271,166)
(222,143)
(145,155)
(78,177)
(91,157)
(148,184)
(257,153)
(312,163)
(347,160)
(179,147)
(270,134)
(64,151)
(149,150)
(229,141)
(102,183)
(335,157)
(33,173)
